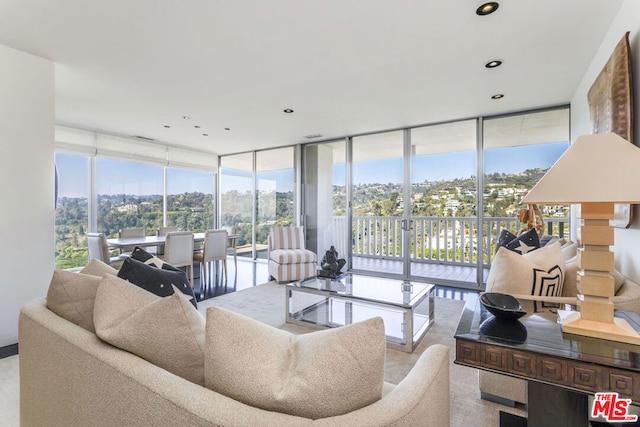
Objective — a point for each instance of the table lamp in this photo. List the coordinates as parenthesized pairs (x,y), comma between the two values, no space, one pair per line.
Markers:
(596,172)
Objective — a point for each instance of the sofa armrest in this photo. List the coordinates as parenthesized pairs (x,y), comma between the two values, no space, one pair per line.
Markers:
(68,377)
(628,297)
(421,398)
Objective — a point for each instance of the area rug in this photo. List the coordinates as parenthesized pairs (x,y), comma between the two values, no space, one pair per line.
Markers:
(266,303)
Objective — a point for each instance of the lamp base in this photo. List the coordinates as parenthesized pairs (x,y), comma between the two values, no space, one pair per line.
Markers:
(619,330)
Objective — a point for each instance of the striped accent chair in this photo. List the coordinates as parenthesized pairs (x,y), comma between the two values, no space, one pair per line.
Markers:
(288,258)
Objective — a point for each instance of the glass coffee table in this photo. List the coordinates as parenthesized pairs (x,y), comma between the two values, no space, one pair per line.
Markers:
(407,308)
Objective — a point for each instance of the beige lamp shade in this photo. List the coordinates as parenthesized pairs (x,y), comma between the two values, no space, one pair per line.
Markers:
(596,168)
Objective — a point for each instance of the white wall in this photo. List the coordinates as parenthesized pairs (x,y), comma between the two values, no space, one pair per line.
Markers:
(27,184)
(627,241)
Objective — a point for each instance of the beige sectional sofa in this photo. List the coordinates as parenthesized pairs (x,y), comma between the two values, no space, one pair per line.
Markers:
(70,377)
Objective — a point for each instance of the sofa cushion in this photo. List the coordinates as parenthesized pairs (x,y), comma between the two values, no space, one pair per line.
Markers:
(292,256)
(571,287)
(160,281)
(95,267)
(168,332)
(315,375)
(540,272)
(71,296)
(569,250)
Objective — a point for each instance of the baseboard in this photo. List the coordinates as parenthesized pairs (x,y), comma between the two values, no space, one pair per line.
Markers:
(497,399)
(9,350)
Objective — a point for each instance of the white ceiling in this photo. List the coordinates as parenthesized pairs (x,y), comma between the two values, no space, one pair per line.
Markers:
(346,67)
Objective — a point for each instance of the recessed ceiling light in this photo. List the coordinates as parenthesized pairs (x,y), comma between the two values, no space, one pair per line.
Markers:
(493,64)
(227,128)
(315,135)
(487,8)
(288,110)
(186,117)
(205,134)
(197,127)
(167,126)
(497,96)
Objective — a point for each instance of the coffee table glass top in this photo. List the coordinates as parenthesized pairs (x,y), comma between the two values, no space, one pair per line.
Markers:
(369,288)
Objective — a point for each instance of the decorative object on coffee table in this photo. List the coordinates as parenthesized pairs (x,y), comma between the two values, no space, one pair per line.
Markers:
(331,264)
(504,307)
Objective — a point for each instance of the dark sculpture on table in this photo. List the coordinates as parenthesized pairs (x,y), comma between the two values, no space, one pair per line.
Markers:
(331,264)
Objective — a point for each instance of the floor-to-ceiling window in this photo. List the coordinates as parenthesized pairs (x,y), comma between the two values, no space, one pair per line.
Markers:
(275,193)
(72,210)
(130,195)
(236,198)
(443,200)
(107,183)
(518,150)
(190,199)
(428,202)
(377,201)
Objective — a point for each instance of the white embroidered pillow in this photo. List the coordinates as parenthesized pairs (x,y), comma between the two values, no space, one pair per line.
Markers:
(540,272)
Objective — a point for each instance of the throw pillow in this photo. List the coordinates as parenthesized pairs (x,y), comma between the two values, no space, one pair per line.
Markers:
(71,296)
(539,272)
(315,375)
(167,332)
(141,255)
(524,243)
(505,237)
(98,268)
(548,240)
(156,280)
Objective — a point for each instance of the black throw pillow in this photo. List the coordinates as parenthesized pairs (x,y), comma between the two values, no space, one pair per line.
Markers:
(505,237)
(141,255)
(156,280)
(526,242)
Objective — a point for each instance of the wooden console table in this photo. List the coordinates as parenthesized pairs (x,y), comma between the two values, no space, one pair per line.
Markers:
(561,369)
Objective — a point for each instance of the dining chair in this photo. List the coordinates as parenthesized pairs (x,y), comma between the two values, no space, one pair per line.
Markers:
(98,249)
(232,245)
(178,250)
(162,231)
(130,232)
(214,249)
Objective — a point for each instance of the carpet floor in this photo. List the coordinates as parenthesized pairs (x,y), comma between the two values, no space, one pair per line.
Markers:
(266,303)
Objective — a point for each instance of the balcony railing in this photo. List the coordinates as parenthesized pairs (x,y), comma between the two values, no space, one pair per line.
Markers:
(443,240)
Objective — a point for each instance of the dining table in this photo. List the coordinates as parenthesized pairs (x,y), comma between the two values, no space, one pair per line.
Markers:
(145,241)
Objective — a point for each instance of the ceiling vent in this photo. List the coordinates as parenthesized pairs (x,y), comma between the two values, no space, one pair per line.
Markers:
(144,138)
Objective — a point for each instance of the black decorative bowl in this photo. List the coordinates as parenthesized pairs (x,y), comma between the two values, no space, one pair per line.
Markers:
(503,306)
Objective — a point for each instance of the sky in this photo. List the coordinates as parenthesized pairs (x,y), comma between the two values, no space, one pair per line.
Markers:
(448,166)
(116,176)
